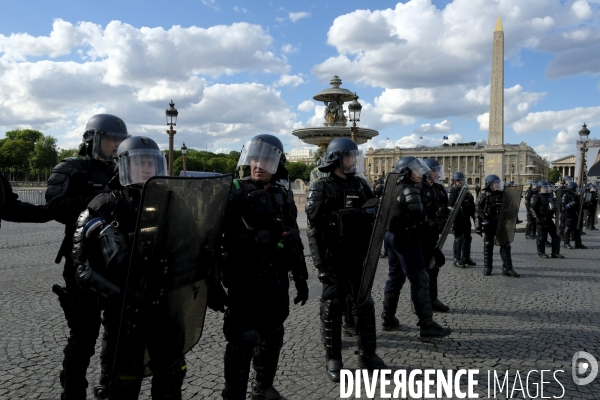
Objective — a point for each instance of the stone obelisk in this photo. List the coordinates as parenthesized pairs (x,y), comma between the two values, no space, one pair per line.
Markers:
(494,158)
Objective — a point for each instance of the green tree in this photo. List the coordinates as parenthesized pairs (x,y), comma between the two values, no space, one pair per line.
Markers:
(553,175)
(45,155)
(29,135)
(66,153)
(15,155)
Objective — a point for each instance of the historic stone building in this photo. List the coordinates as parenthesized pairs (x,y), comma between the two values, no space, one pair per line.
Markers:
(565,165)
(521,162)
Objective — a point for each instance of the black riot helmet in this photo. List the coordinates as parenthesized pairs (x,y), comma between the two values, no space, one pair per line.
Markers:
(339,150)
(458,176)
(435,168)
(571,187)
(566,179)
(139,159)
(493,183)
(409,164)
(266,151)
(591,187)
(543,187)
(103,135)
(533,185)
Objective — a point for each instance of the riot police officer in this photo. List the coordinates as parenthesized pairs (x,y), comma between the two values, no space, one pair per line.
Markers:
(435,201)
(487,212)
(462,223)
(560,192)
(590,205)
(102,245)
(530,229)
(261,244)
(72,185)
(14,210)
(406,230)
(543,210)
(570,204)
(339,230)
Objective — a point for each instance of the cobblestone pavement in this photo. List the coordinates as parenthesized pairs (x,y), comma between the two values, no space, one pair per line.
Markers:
(536,322)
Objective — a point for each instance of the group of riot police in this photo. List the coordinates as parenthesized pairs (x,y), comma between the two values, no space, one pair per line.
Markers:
(558,213)
(124,269)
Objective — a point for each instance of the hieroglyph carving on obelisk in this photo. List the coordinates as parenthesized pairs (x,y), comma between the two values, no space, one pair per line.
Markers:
(496,124)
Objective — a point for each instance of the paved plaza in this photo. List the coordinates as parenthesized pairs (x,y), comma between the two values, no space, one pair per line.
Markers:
(535,322)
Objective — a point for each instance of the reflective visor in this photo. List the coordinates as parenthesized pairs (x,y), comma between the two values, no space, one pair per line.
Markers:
(106,144)
(137,166)
(352,162)
(437,174)
(260,154)
(418,167)
(497,185)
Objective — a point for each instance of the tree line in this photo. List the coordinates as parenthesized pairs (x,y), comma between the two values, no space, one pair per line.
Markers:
(28,154)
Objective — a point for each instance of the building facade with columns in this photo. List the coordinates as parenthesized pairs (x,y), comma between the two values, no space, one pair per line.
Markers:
(565,165)
(521,162)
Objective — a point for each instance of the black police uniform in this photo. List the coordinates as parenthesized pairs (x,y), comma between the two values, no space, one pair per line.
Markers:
(570,208)
(543,210)
(14,210)
(487,210)
(338,233)
(530,228)
(435,201)
(591,208)
(71,186)
(404,237)
(262,245)
(462,227)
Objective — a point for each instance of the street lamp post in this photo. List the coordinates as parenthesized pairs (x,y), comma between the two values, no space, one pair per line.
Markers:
(354,116)
(584,133)
(171,114)
(512,171)
(183,153)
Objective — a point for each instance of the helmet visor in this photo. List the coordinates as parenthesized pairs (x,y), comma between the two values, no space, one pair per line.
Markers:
(592,187)
(544,188)
(534,185)
(418,168)
(352,162)
(568,179)
(437,173)
(106,145)
(261,155)
(497,184)
(137,166)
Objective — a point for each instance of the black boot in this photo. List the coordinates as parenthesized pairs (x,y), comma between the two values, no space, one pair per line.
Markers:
(101,389)
(388,316)
(567,239)
(367,342)
(265,363)
(237,366)
(331,335)
(507,267)
(457,250)
(488,254)
(436,304)
(466,251)
(422,303)
(541,250)
(556,248)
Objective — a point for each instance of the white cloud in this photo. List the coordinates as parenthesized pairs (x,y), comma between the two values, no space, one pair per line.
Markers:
(289,80)
(441,127)
(288,49)
(240,9)
(306,105)
(211,3)
(517,104)
(296,16)
(581,9)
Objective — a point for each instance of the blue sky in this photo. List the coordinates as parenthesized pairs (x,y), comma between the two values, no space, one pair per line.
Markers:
(235,69)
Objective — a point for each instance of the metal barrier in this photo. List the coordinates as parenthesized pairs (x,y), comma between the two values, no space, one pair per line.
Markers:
(33,196)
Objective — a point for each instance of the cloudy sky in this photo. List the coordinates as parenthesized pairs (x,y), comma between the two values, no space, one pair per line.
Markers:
(234,69)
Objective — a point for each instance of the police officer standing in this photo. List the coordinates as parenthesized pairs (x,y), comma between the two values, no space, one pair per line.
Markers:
(71,186)
(570,204)
(487,212)
(406,230)
(543,210)
(530,229)
(591,206)
(561,191)
(462,223)
(339,230)
(14,210)
(102,248)
(261,244)
(435,201)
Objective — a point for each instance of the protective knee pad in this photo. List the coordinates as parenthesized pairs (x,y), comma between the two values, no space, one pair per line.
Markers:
(266,356)
(167,382)
(331,328)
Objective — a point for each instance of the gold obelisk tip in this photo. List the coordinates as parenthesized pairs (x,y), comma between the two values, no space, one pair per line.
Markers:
(498,24)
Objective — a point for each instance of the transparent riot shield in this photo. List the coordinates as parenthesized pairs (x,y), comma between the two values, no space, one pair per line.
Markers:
(507,220)
(584,198)
(453,213)
(372,259)
(558,194)
(176,241)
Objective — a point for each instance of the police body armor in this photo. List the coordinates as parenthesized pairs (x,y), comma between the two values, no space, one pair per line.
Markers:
(268,231)
(493,205)
(408,215)
(435,201)
(543,206)
(570,203)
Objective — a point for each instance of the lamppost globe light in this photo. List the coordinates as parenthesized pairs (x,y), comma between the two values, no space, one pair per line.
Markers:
(584,134)
(183,149)
(354,109)
(183,153)
(171,114)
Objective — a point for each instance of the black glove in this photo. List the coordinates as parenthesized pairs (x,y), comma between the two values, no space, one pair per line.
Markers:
(217,297)
(325,275)
(302,290)
(439,257)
